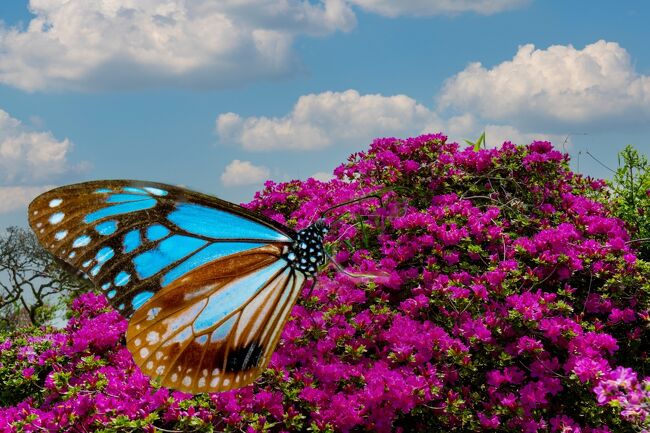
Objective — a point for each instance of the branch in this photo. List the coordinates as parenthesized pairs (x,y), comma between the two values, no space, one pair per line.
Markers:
(639,240)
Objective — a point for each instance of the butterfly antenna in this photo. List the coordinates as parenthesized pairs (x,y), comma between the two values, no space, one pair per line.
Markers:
(345,272)
(346,230)
(366,197)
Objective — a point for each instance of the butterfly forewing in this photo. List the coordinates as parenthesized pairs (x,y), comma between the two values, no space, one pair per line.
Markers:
(131,238)
(205,277)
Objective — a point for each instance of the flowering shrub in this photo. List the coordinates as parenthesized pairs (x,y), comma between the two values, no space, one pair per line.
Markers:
(504,298)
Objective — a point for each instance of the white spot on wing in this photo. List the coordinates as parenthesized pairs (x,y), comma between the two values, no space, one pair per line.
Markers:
(144,352)
(55,202)
(81,241)
(153,337)
(155,191)
(152,313)
(187,381)
(56,218)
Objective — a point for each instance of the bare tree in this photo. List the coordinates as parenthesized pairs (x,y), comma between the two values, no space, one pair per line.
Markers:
(32,281)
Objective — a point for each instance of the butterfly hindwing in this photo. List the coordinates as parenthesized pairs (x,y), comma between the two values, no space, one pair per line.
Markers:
(131,238)
(211,331)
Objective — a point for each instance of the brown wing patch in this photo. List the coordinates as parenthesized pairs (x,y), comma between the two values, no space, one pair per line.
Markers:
(168,338)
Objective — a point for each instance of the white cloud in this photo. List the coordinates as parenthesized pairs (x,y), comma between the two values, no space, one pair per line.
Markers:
(27,156)
(323,176)
(27,160)
(348,118)
(559,87)
(495,135)
(469,127)
(91,45)
(130,43)
(239,173)
(392,8)
(16,197)
(538,95)
(320,120)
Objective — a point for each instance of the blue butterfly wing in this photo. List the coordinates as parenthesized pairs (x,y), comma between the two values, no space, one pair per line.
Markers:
(144,243)
(134,237)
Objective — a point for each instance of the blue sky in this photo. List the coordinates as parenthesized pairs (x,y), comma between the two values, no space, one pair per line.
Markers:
(219,96)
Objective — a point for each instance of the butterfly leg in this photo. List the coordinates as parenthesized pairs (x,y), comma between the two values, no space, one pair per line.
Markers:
(308,297)
(311,287)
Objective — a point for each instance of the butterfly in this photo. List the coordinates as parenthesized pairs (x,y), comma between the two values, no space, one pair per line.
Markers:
(207,285)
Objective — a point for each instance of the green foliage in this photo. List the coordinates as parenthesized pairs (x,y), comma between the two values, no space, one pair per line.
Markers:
(631,185)
(20,377)
(479,143)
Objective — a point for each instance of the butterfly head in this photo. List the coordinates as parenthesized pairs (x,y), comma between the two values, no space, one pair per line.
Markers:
(307,252)
(320,226)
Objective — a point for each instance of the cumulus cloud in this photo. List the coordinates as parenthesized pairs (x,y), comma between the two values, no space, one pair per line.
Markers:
(323,176)
(469,127)
(495,135)
(16,197)
(83,45)
(349,118)
(543,94)
(239,173)
(132,43)
(320,120)
(559,87)
(392,8)
(27,160)
(26,155)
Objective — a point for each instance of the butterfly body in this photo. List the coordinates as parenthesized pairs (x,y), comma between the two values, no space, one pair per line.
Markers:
(307,252)
(207,285)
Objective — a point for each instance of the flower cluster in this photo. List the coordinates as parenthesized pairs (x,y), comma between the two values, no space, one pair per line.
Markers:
(484,290)
(622,389)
